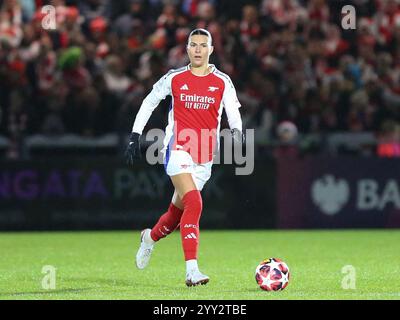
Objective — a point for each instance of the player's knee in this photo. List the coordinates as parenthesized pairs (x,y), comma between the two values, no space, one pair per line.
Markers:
(172,217)
(175,211)
(193,200)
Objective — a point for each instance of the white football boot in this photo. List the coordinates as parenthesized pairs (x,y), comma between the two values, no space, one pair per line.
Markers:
(144,253)
(195,277)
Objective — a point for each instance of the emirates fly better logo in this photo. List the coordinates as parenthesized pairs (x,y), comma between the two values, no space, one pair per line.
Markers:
(330,195)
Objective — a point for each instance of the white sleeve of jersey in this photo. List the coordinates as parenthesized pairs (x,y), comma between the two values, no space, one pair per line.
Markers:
(232,105)
(160,90)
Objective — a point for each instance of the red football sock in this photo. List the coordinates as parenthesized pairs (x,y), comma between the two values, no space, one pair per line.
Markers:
(167,223)
(192,206)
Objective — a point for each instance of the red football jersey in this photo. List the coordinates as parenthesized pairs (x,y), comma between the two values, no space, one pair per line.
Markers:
(195,113)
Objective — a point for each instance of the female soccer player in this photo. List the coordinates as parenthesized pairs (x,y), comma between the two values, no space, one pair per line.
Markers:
(199,94)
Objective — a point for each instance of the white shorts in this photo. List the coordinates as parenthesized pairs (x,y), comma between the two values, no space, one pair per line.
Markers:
(178,161)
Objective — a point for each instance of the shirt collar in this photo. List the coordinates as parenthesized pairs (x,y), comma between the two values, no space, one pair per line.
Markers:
(212,68)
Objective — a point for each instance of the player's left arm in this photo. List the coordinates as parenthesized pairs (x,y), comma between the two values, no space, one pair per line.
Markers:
(231,105)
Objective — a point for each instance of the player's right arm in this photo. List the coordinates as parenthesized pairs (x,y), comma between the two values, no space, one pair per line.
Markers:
(160,90)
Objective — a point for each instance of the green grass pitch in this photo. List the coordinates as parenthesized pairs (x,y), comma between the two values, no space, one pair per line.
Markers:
(100,265)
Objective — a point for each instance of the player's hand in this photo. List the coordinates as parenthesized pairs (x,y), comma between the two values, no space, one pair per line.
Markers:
(238,137)
(132,152)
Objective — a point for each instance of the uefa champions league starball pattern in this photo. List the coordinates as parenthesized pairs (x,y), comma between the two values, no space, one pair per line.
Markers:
(272,275)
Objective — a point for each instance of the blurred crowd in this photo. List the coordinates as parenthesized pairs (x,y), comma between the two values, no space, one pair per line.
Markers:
(290,60)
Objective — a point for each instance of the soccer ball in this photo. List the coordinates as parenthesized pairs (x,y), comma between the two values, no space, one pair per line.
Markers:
(272,274)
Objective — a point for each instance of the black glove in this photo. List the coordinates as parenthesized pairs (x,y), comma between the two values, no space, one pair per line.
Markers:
(238,136)
(132,152)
